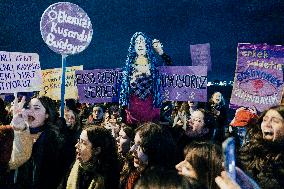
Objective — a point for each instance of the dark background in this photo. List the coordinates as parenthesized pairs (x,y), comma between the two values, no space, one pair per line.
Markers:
(177,23)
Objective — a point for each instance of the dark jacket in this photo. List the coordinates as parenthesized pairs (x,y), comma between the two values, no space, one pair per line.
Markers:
(43,170)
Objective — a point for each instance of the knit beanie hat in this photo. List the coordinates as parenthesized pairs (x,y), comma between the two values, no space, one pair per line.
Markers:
(243,118)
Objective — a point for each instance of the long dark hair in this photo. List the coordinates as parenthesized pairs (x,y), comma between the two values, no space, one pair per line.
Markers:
(262,159)
(3,113)
(50,107)
(158,144)
(107,159)
(206,159)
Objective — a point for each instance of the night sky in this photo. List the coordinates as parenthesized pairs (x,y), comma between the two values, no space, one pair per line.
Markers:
(176,23)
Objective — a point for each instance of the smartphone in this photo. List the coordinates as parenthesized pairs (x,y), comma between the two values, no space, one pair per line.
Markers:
(228,147)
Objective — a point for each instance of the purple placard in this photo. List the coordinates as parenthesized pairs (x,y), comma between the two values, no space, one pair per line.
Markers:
(258,76)
(200,55)
(99,85)
(66,28)
(184,83)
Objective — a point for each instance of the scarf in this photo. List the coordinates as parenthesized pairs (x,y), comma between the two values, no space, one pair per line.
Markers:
(72,182)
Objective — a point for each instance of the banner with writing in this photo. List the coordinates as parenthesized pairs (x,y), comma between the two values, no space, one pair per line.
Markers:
(258,77)
(184,83)
(19,72)
(52,83)
(99,85)
(200,55)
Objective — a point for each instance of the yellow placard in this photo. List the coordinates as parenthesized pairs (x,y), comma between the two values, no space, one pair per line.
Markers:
(52,83)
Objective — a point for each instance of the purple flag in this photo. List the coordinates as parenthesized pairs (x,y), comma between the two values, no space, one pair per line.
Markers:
(184,83)
(200,55)
(258,76)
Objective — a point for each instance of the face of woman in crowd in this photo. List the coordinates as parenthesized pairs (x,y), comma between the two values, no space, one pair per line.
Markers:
(185,168)
(217,97)
(36,114)
(197,120)
(114,124)
(272,126)
(84,148)
(140,158)
(70,118)
(140,45)
(123,142)
(97,113)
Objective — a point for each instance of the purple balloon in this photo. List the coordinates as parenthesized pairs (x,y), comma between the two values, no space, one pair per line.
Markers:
(66,28)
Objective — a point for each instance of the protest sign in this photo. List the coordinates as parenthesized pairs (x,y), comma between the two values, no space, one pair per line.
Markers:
(52,83)
(99,85)
(258,77)
(200,55)
(66,28)
(184,83)
(19,72)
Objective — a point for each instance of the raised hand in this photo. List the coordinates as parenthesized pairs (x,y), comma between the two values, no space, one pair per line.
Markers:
(158,47)
(18,121)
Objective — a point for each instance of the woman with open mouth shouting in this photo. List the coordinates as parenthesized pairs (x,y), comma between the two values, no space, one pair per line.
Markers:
(96,165)
(263,156)
(37,143)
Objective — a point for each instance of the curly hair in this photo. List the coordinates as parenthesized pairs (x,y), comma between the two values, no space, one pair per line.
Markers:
(158,143)
(108,164)
(262,159)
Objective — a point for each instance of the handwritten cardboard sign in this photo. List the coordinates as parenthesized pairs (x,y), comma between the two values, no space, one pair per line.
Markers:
(200,55)
(259,76)
(19,72)
(52,83)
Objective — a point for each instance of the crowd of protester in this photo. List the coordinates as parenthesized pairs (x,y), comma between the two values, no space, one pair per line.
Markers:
(93,147)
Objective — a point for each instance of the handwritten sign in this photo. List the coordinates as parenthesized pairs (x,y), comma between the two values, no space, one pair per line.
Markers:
(19,72)
(66,28)
(99,85)
(258,77)
(184,83)
(52,83)
(200,55)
